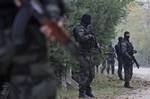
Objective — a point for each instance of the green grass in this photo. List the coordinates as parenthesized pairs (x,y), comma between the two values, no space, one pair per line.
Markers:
(106,86)
(69,94)
(103,87)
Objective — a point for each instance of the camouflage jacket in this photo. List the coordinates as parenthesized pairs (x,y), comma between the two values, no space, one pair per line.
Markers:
(84,36)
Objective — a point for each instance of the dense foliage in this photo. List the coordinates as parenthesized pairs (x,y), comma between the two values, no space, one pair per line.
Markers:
(106,14)
(138,23)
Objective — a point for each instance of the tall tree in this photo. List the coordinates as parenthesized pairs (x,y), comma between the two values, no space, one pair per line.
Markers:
(106,15)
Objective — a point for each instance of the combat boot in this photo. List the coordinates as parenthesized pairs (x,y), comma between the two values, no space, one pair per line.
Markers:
(82,93)
(89,92)
(113,71)
(121,79)
(108,70)
(127,85)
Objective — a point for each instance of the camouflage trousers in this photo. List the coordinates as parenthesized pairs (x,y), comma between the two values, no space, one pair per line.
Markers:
(87,73)
(27,70)
(29,79)
(108,65)
(111,66)
(120,67)
(128,70)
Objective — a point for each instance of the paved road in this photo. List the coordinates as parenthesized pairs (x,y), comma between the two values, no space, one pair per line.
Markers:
(143,73)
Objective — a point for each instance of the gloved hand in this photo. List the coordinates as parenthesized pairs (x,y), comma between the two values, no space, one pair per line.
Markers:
(18,3)
(54,31)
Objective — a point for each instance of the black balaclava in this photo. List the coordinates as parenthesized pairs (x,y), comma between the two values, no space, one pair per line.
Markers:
(120,39)
(126,35)
(86,20)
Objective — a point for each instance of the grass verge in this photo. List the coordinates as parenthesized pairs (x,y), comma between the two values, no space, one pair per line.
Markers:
(104,87)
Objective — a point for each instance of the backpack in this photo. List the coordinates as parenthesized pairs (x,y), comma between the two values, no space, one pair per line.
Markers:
(118,49)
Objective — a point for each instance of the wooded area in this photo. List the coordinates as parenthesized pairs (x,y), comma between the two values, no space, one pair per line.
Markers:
(106,15)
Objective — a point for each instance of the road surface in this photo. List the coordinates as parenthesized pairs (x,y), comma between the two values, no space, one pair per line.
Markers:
(144,93)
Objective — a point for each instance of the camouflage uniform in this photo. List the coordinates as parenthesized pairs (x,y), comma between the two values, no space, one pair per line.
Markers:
(110,59)
(127,62)
(7,8)
(26,67)
(119,57)
(127,52)
(86,39)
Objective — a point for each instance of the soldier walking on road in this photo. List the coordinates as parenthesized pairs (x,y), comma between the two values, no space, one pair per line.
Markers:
(127,55)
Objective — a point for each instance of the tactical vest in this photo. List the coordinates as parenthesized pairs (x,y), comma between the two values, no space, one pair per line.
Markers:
(118,49)
(86,43)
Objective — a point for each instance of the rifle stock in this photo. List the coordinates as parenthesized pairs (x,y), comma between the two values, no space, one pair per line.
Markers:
(135,61)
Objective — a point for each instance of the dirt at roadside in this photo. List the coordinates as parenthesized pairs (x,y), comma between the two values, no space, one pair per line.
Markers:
(141,90)
(109,87)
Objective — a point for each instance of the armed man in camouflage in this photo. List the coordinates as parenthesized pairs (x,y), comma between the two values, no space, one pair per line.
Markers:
(110,59)
(87,41)
(127,53)
(23,56)
(104,63)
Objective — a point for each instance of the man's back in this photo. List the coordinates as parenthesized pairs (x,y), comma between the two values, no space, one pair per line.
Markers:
(118,49)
